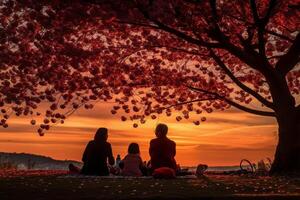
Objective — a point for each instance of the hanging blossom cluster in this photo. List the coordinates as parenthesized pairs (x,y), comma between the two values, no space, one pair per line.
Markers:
(148,57)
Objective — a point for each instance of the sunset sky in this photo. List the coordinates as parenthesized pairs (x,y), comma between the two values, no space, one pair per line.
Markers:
(224,139)
(69,54)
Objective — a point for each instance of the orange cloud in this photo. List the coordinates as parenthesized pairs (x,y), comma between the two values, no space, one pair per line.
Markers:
(224,139)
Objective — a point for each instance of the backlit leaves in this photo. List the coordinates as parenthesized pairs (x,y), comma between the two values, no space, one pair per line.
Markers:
(73,54)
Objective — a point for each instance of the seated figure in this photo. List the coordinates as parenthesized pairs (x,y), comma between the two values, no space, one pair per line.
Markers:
(132,164)
(162,150)
(96,155)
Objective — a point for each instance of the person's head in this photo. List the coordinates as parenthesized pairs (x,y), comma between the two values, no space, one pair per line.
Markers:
(161,130)
(101,135)
(133,148)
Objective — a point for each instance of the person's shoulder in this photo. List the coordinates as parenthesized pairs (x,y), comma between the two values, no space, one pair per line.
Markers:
(90,144)
(108,144)
(136,157)
(154,140)
(171,141)
(139,157)
(127,157)
(151,141)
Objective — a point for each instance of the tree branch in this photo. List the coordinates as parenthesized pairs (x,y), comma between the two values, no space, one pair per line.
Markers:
(178,33)
(254,11)
(279,35)
(239,83)
(187,37)
(232,103)
(248,55)
(250,58)
(272,4)
(260,28)
(158,46)
(192,101)
(137,24)
(213,6)
(289,60)
(266,30)
(276,56)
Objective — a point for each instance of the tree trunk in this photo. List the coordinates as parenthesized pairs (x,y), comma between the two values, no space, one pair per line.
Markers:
(287,156)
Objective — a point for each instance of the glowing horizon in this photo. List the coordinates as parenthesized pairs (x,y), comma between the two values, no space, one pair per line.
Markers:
(224,139)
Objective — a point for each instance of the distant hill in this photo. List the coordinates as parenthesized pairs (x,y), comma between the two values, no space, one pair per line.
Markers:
(32,161)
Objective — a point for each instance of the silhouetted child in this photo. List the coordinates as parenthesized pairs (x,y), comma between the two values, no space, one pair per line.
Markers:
(96,155)
(132,164)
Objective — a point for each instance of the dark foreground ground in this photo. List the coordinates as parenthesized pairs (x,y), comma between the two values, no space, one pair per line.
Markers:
(58,187)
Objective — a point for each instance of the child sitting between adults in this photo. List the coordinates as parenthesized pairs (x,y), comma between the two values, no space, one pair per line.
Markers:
(132,164)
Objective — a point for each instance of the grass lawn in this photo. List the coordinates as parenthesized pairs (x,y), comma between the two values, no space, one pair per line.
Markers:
(209,187)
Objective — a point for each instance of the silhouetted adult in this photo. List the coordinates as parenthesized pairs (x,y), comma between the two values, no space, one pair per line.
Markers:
(96,154)
(162,150)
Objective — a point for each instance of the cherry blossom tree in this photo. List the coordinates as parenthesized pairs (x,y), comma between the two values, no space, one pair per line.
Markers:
(152,57)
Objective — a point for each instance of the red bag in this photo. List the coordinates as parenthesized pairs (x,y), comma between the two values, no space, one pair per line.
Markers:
(164,173)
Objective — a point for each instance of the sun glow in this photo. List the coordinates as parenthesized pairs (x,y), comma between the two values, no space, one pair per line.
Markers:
(224,139)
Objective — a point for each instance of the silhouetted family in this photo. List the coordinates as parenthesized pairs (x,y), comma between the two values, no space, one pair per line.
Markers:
(98,157)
